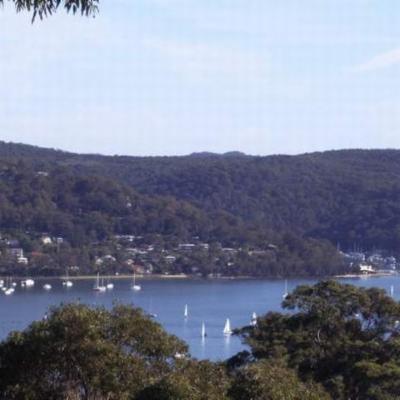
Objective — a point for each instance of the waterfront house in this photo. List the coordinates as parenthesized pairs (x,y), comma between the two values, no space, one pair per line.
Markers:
(366,269)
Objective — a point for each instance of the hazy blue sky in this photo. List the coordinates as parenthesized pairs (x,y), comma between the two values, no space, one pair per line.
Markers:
(150,77)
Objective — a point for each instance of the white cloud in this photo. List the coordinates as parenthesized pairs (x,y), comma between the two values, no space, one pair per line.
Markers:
(381,61)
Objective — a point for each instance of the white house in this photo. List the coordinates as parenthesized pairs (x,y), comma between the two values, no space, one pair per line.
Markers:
(366,269)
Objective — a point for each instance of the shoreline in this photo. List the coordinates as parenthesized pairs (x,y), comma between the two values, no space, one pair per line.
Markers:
(194,277)
(365,276)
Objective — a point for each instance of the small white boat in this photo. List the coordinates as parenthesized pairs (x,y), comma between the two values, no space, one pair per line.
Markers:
(9,291)
(67,283)
(203,330)
(253,321)
(97,287)
(110,286)
(186,312)
(47,286)
(29,283)
(227,328)
(135,287)
(14,284)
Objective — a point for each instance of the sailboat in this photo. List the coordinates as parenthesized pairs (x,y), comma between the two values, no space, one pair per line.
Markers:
(186,312)
(97,287)
(109,285)
(227,328)
(9,290)
(203,330)
(134,286)
(47,286)
(253,321)
(151,313)
(29,283)
(67,282)
(286,293)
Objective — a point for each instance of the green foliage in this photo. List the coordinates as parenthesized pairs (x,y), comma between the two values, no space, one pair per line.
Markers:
(337,335)
(348,197)
(191,380)
(85,209)
(84,353)
(266,381)
(44,8)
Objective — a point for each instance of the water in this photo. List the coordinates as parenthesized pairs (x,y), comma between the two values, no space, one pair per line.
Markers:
(208,301)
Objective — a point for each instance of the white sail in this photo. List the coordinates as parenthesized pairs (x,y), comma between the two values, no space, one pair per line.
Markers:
(203,330)
(134,285)
(227,328)
(285,294)
(97,287)
(253,320)
(186,311)
(97,284)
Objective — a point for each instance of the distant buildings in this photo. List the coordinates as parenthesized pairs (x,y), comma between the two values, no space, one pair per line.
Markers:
(371,262)
(366,269)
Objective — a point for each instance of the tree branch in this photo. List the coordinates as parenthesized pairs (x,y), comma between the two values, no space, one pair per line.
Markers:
(44,8)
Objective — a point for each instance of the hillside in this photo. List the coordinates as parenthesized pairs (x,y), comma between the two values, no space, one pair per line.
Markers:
(39,197)
(350,197)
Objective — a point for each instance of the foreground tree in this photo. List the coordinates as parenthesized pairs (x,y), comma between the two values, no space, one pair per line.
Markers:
(264,380)
(83,353)
(43,8)
(190,380)
(344,337)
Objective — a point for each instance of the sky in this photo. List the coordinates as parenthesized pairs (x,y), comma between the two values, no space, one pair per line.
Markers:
(172,77)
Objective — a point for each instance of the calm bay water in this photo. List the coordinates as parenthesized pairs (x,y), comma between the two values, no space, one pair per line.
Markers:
(208,301)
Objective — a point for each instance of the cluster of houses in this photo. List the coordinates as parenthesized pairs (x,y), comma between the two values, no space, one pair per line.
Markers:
(371,262)
(128,253)
(134,253)
(12,249)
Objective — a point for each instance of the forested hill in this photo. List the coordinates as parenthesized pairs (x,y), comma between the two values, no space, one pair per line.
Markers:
(90,212)
(351,197)
(83,209)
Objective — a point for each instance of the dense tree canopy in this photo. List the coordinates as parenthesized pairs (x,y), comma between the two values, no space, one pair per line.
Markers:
(85,209)
(81,353)
(344,337)
(351,197)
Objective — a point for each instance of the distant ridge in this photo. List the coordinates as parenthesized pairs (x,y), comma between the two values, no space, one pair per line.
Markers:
(349,197)
(211,154)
